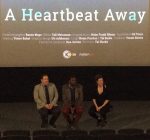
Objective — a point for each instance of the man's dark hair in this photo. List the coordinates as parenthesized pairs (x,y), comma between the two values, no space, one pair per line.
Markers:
(44,75)
(71,76)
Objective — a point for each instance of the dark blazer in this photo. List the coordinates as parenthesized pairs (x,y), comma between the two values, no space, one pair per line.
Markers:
(40,98)
(66,95)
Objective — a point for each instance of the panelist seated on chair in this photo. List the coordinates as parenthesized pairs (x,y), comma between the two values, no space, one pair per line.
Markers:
(72,93)
(46,97)
(100,102)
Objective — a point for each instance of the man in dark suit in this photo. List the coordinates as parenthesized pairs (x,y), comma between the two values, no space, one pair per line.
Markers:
(72,93)
(46,96)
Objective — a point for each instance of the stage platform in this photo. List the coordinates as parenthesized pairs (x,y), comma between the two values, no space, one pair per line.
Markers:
(125,114)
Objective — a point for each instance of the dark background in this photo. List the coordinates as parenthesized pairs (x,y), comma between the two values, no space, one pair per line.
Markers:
(125,83)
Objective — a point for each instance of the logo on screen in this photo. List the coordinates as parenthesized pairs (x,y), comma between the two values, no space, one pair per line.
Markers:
(67,54)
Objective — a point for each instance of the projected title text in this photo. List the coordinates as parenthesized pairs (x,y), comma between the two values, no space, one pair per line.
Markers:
(68,16)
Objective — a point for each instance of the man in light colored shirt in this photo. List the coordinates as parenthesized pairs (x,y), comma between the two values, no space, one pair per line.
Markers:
(46,97)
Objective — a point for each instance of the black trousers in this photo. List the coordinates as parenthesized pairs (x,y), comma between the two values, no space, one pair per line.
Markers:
(102,113)
(44,113)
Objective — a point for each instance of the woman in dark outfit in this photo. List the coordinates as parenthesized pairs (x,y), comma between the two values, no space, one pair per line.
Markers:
(100,101)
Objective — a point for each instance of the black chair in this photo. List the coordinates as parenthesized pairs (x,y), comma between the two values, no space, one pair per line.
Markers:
(102,132)
(74,133)
(81,137)
(130,137)
(148,131)
(16,138)
(131,131)
(108,137)
(45,133)
(147,135)
(47,137)
(16,133)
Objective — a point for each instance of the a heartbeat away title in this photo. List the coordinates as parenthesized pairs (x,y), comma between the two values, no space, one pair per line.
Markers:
(67,15)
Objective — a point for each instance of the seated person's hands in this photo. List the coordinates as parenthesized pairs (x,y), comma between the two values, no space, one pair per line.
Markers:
(48,106)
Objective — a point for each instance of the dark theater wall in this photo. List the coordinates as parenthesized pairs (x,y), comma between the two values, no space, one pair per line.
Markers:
(125,83)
